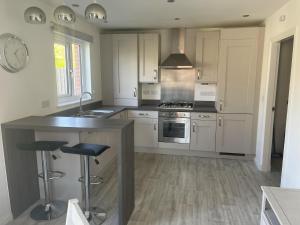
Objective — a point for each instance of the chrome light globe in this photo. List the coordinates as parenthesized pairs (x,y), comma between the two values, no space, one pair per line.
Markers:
(64,14)
(95,12)
(34,15)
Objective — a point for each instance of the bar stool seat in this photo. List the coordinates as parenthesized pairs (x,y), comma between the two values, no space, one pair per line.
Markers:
(85,149)
(94,215)
(51,209)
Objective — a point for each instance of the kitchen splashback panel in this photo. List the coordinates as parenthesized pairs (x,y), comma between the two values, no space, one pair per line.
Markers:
(177,85)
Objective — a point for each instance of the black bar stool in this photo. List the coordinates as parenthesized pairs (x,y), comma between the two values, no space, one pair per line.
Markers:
(93,214)
(51,209)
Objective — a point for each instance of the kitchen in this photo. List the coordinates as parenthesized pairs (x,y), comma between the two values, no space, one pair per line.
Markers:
(188,96)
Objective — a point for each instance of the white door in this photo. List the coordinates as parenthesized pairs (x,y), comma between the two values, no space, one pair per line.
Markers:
(237,76)
(203,136)
(207,56)
(234,133)
(145,132)
(149,58)
(125,68)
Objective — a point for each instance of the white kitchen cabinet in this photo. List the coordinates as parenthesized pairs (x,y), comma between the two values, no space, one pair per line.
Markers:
(234,133)
(207,56)
(121,116)
(145,128)
(203,132)
(125,69)
(146,132)
(237,73)
(148,58)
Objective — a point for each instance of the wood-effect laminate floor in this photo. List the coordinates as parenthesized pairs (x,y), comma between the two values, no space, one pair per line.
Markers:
(179,190)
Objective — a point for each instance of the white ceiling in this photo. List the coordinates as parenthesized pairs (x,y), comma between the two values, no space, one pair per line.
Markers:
(130,14)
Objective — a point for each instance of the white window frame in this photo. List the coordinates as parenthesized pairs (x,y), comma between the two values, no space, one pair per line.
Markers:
(85,65)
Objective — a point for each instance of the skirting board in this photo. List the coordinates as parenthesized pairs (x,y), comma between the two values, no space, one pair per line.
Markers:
(165,151)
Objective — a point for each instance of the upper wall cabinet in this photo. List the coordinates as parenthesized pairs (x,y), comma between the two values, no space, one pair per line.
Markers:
(207,55)
(125,69)
(148,58)
(237,72)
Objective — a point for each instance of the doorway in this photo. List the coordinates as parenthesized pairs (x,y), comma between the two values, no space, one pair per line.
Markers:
(280,106)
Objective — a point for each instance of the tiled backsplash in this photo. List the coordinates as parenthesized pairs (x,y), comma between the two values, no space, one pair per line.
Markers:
(203,92)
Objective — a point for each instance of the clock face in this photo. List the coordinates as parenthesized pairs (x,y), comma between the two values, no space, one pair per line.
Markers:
(14,53)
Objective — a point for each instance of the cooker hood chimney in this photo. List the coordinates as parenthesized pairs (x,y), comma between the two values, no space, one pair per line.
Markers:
(177,60)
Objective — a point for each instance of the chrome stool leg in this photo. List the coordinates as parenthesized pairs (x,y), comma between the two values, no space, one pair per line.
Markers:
(94,215)
(50,209)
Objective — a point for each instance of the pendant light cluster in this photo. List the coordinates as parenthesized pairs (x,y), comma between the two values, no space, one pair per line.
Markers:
(93,12)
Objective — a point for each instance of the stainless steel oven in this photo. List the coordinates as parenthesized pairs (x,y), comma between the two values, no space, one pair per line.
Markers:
(174,127)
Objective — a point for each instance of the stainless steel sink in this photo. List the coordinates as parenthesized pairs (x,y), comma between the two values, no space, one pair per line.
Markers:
(105,111)
(94,113)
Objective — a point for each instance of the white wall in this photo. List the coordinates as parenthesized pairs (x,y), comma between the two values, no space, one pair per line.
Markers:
(21,94)
(274,29)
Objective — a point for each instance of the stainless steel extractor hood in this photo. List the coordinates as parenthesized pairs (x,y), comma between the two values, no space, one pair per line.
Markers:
(177,60)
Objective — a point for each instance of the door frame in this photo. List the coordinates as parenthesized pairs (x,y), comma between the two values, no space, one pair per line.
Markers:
(270,95)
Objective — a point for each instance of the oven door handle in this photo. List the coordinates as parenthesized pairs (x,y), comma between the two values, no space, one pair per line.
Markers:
(178,120)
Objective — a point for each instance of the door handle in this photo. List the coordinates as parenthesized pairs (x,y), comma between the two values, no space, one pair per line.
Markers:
(221,105)
(134,92)
(194,127)
(198,74)
(155,74)
(204,116)
(220,121)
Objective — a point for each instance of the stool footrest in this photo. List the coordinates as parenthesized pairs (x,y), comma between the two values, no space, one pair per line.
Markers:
(53,175)
(94,180)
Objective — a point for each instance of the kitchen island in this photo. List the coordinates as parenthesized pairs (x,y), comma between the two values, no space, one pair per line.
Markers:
(22,167)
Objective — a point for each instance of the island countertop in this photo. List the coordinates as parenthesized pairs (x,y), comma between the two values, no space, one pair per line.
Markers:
(66,123)
(21,180)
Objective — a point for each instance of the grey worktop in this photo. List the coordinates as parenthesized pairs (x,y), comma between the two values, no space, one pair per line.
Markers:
(66,123)
(118,109)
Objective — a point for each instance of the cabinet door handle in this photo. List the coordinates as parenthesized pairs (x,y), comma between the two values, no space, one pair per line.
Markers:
(204,116)
(141,114)
(220,121)
(198,74)
(221,105)
(134,92)
(154,126)
(194,127)
(155,74)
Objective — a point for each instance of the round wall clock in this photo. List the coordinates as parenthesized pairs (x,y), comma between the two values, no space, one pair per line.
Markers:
(13,53)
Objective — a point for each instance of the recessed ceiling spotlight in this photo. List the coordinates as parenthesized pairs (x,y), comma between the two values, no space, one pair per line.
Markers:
(246,15)
(176,18)
(171,1)
(75,5)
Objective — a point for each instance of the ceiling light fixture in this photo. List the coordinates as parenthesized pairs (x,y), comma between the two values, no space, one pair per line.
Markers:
(34,15)
(95,12)
(64,14)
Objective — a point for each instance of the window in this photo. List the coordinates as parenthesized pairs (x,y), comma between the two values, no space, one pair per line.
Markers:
(72,65)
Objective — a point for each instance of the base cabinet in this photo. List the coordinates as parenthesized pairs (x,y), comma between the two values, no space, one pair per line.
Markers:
(234,133)
(145,133)
(203,133)
(119,116)
(145,128)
